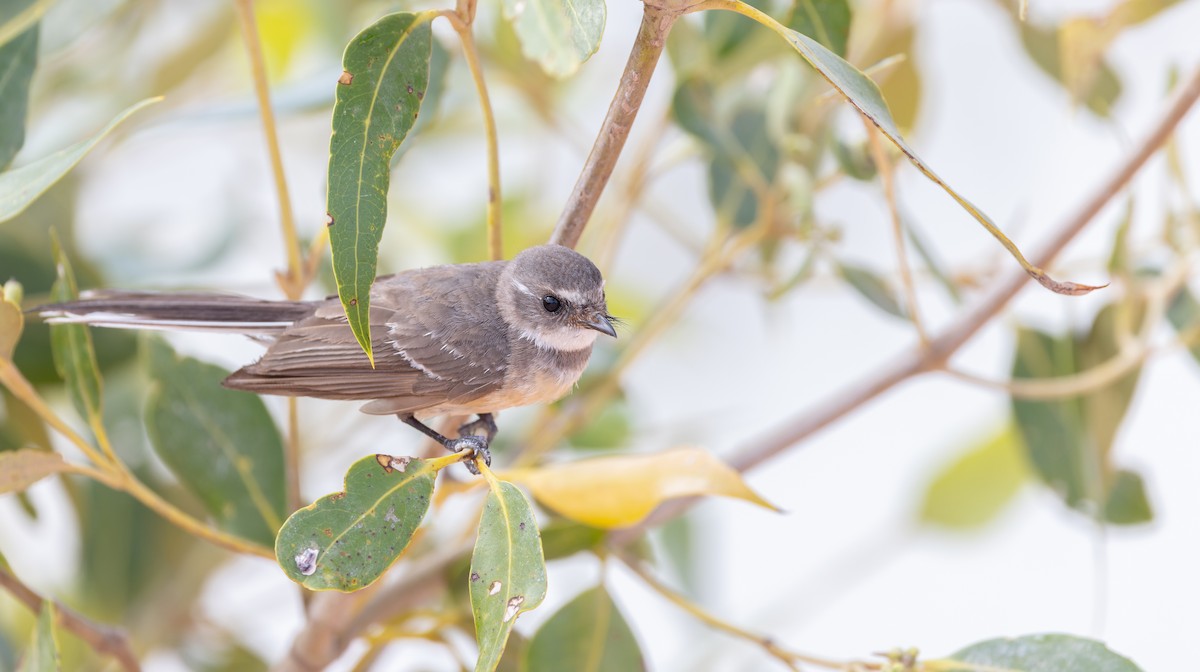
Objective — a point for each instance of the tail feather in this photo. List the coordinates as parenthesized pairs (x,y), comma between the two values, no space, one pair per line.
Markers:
(191,311)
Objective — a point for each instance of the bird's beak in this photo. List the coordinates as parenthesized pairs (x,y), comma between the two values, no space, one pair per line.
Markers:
(601,323)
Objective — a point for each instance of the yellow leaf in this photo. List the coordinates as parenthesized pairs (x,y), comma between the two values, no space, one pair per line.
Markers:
(618,491)
(20,469)
(12,321)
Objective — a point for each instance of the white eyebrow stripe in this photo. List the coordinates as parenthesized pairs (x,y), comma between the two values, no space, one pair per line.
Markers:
(522,288)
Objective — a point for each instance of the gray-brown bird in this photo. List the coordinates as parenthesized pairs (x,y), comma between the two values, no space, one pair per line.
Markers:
(461,339)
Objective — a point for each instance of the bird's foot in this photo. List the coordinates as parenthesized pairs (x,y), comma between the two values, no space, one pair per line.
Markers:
(478,444)
(485,423)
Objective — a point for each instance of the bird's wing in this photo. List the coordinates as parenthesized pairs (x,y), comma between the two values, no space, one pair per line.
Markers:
(437,339)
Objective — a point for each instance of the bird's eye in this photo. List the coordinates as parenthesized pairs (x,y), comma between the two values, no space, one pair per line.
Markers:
(551,303)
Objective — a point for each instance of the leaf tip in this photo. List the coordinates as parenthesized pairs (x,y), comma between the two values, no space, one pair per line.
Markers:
(1064,287)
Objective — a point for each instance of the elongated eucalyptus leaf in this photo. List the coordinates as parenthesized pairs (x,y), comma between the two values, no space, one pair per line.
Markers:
(557,34)
(21,186)
(1039,653)
(864,95)
(74,355)
(508,570)
(20,469)
(872,288)
(42,655)
(588,635)
(386,72)
(345,541)
(221,444)
(18,57)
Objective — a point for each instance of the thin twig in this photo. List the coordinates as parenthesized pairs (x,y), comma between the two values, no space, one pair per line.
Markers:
(102,639)
(462,21)
(647,49)
(887,176)
(790,658)
(292,283)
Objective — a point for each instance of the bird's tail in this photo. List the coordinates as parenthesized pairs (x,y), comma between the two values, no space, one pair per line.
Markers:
(189,311)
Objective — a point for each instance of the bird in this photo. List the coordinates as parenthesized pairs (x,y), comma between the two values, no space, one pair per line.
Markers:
(459,339)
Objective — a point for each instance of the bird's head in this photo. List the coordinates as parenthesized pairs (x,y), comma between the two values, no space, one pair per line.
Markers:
(554,296)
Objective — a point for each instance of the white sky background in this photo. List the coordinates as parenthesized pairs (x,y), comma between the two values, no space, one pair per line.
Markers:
(837,575)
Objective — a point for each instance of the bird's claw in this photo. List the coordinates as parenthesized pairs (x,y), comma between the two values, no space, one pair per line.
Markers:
(477,444)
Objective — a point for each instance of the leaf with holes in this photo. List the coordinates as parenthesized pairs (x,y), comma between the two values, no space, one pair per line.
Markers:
(620,490)
(864,95)
(221,444)
(588,634)
(21,186)
(1036,653)
(508,570)
(385,75)
(347,540)
(71,344)
(558,35)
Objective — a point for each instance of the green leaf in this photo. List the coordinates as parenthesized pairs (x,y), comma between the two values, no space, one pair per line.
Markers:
(1042,45)
(508,570)
(562,538)
(588,634)
(558,35)
(826,21)
(864,95)
(1127,502)
(17,60)
(18,17)
(42,655)
(20,469)
(856,161)
(872,288)
(22,186)
(386,73)
(974,488)
(1040,653)
(71,344)
(1183,314)
(1069,440)
(221,444)
(347,540)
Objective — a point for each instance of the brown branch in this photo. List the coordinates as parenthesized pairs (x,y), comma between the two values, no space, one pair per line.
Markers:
(939,350)
(647,49)
(102,639)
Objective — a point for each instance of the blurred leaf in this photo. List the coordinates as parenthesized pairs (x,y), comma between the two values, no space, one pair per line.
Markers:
(563,538)
(900,84)
(972,489)
(865,96)
(589,633)
(558,34)
(508,569)
(17,61)
(826,21)
(221,444)
(620,490)
(1184,315)
(1118,257)
(18,16)
(283,25)
(932,262)
(677,538)
(745,154)
(513,658)
(21,186)
(1102,89)
(872,288)
(20,469)
(692,107)
(12,323)
(1038,653)
(347,540)
(42,654)
(74,355)
(386,73)
(726,33)
(607,430)
(203,41)
(1127,503)
(856,161)
(1069,440)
